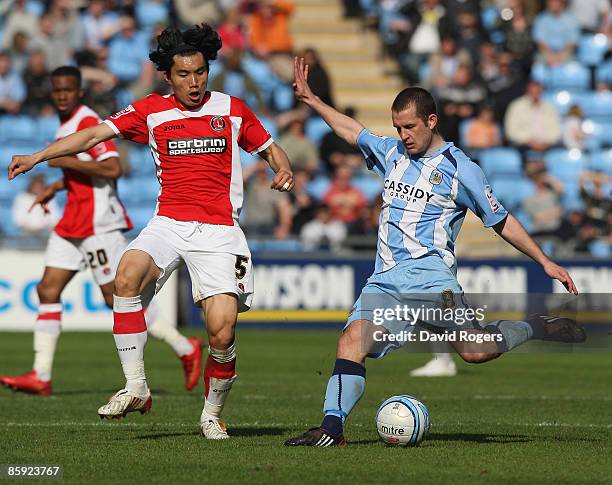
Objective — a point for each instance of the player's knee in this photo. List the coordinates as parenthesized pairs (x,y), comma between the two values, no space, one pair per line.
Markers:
(47,292)
(477,357)
(350,344)
(126,284)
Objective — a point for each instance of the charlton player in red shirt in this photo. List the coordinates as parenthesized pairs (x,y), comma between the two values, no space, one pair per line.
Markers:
(194,136)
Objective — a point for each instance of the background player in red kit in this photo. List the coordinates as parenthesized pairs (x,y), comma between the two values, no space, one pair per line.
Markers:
(194,136)
(90,233)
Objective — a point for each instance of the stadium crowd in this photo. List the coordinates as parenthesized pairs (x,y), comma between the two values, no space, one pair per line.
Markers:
(523,86)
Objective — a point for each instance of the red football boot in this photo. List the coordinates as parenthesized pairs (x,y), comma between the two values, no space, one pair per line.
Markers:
(28,382)
(192,363)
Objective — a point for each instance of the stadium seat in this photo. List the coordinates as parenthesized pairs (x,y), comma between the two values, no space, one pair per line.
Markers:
(601,161)
(571,77)
(511,190)
(501,161)
(46,128)
(571,199)
(140,215)
(269,124)
(598,106)
(370,186)
(592,49)
(141,161)
(564,164)
(603,73)
(261,73)
(283,98)
(18,129)
(564,100)
(316,129)
(464,126)
(150,13)
(318,187)
(600,249)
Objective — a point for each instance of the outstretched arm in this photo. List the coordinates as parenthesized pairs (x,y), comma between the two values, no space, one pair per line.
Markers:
(344,126)
(513,232)
(71,145)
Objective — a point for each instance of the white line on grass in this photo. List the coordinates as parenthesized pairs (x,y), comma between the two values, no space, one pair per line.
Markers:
(544,424)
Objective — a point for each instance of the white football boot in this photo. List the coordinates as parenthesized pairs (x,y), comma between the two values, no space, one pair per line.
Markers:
(436,367)
(212,428)
(124,402)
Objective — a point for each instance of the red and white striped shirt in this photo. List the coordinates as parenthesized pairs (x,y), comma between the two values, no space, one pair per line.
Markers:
(196,152)
(92,205)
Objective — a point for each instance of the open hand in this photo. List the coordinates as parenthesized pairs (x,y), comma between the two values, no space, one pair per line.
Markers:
(300,84)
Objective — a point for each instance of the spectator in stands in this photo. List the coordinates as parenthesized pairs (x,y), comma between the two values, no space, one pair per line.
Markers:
(516,27)
(459,100)
(53,43)
(323,232)
(318,79)
(99,23)
(592,15)
(344,200)
(36,78)
(235,81)
(18,20)
(20,52)
(483,132)
(128,51)
(596,192)
(192,12)
(29,216)
(12,87)
(488,62)
(544,206)
(301,201)
(67,24)
(232,31)
(444,63)
(335,151)
(270,35)
(573,129)
(556,33)
(269,211)
(469,32)
(507,86)
(532,123)
(300,150)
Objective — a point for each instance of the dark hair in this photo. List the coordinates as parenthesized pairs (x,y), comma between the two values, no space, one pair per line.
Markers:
(199,38)
(420,98)
(69,71)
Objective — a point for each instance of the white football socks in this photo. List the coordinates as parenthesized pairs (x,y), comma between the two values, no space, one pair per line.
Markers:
(47,330)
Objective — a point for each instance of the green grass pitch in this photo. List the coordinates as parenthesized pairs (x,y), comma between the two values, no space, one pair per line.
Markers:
(525,418)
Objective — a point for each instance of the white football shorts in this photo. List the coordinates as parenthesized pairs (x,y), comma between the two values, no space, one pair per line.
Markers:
(217,257)
(100,252)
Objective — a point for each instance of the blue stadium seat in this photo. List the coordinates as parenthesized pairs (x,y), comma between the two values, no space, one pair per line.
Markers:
(600,249)
(318,187)
(571,199)
(564,164)
(464,126)
(603,74)
(140,215)
(571,76)
(511,190)
(501,161)
(598,106)
(18,128)
(283,98)
(246,159)
(141,161)
(261,73)
(592,49)
(46,128)
(150,13)
(370,186)
(270,125)
(316,129)
(564,100)
(8,189)
(20,148)
(601,161)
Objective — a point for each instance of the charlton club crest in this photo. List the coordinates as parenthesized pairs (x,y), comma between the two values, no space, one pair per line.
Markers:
(217,123)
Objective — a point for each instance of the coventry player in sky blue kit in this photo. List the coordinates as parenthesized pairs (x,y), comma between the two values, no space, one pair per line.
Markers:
(429,185)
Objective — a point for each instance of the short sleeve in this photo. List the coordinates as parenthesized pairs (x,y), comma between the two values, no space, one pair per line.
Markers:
(377,150)
(253,137)
(103,150)
(475,193)
(131,122)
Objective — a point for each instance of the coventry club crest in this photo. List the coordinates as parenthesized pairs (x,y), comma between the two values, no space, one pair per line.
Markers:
(436,177)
